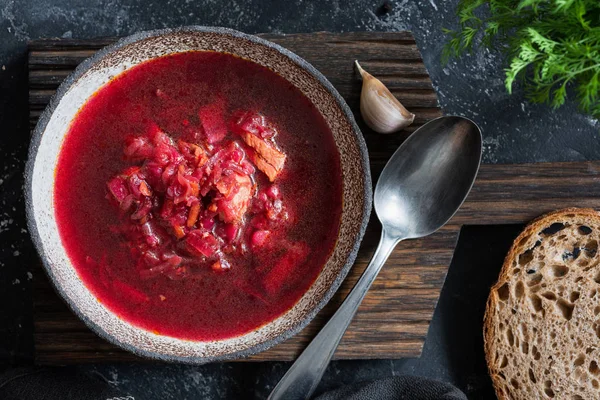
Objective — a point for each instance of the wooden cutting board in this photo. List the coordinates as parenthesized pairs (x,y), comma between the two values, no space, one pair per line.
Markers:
(393,320)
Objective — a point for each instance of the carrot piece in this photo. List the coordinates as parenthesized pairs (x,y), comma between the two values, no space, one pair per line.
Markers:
(179,232)
(212,207)
(202,157)
(195,188)
(221,265)
(199,154)
(144,189)
(193,215)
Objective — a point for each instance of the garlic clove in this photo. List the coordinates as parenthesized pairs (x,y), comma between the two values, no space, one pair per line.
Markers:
(380,110)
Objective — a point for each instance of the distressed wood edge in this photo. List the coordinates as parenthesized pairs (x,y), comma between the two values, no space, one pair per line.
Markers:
(99,42)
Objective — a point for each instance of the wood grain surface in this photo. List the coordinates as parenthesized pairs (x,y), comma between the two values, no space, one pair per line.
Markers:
(393,320)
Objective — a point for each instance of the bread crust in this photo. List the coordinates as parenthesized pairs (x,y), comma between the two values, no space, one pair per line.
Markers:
(520,244)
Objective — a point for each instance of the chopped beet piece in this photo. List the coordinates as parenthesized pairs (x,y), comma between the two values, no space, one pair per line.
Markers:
(213,121)
(150,258)
(259,238)
(228,232)
(127,203)
(207,223)
(150,234)
(254,123)
(138,148)
(273,192)
(170,264)
(118,188)
(143,209)
(202,243)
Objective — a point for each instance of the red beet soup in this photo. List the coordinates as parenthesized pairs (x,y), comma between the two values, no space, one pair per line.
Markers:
(198,195)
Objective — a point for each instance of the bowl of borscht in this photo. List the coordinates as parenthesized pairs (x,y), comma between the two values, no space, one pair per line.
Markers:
(197,194)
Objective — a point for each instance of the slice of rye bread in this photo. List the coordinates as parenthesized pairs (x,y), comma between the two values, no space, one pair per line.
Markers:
(542,322)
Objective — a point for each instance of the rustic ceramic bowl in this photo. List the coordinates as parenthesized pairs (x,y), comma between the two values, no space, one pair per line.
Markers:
(128,52)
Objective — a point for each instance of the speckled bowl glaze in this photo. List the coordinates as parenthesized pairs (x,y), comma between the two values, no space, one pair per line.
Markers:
(126,53)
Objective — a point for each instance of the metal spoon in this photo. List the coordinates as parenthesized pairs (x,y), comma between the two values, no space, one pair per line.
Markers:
(419,190)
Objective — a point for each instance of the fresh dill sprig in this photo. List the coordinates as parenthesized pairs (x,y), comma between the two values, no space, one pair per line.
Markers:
(550,44)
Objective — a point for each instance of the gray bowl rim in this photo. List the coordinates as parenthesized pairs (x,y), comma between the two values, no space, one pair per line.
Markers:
(74,77)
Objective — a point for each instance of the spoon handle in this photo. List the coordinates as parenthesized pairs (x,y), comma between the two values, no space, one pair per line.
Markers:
(302,378)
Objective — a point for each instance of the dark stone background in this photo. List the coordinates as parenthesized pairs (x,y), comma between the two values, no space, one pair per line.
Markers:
(514,131)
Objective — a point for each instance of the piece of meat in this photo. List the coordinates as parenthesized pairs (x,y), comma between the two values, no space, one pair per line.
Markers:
(266,156)
(233,206)
(270,171)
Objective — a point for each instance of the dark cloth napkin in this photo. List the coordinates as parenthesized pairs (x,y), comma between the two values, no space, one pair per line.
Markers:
(397,388)
(65,383)
(55,384)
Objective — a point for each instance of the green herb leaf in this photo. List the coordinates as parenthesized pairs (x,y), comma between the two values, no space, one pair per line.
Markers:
(550,44)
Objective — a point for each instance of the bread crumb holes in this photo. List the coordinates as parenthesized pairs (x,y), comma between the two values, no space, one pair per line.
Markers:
(519,290)
(510,338)
(549,296)
(584,230)
(553,229)
(593,368)
(503,292)
(503,362)
(536,302)
(574,296)
(559,271)
(526,257)
(514,383)
(565,308)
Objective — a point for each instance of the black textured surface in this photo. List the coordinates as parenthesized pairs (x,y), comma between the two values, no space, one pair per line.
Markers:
(513,131)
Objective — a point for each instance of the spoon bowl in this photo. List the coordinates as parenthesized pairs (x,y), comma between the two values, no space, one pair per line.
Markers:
(428,177)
